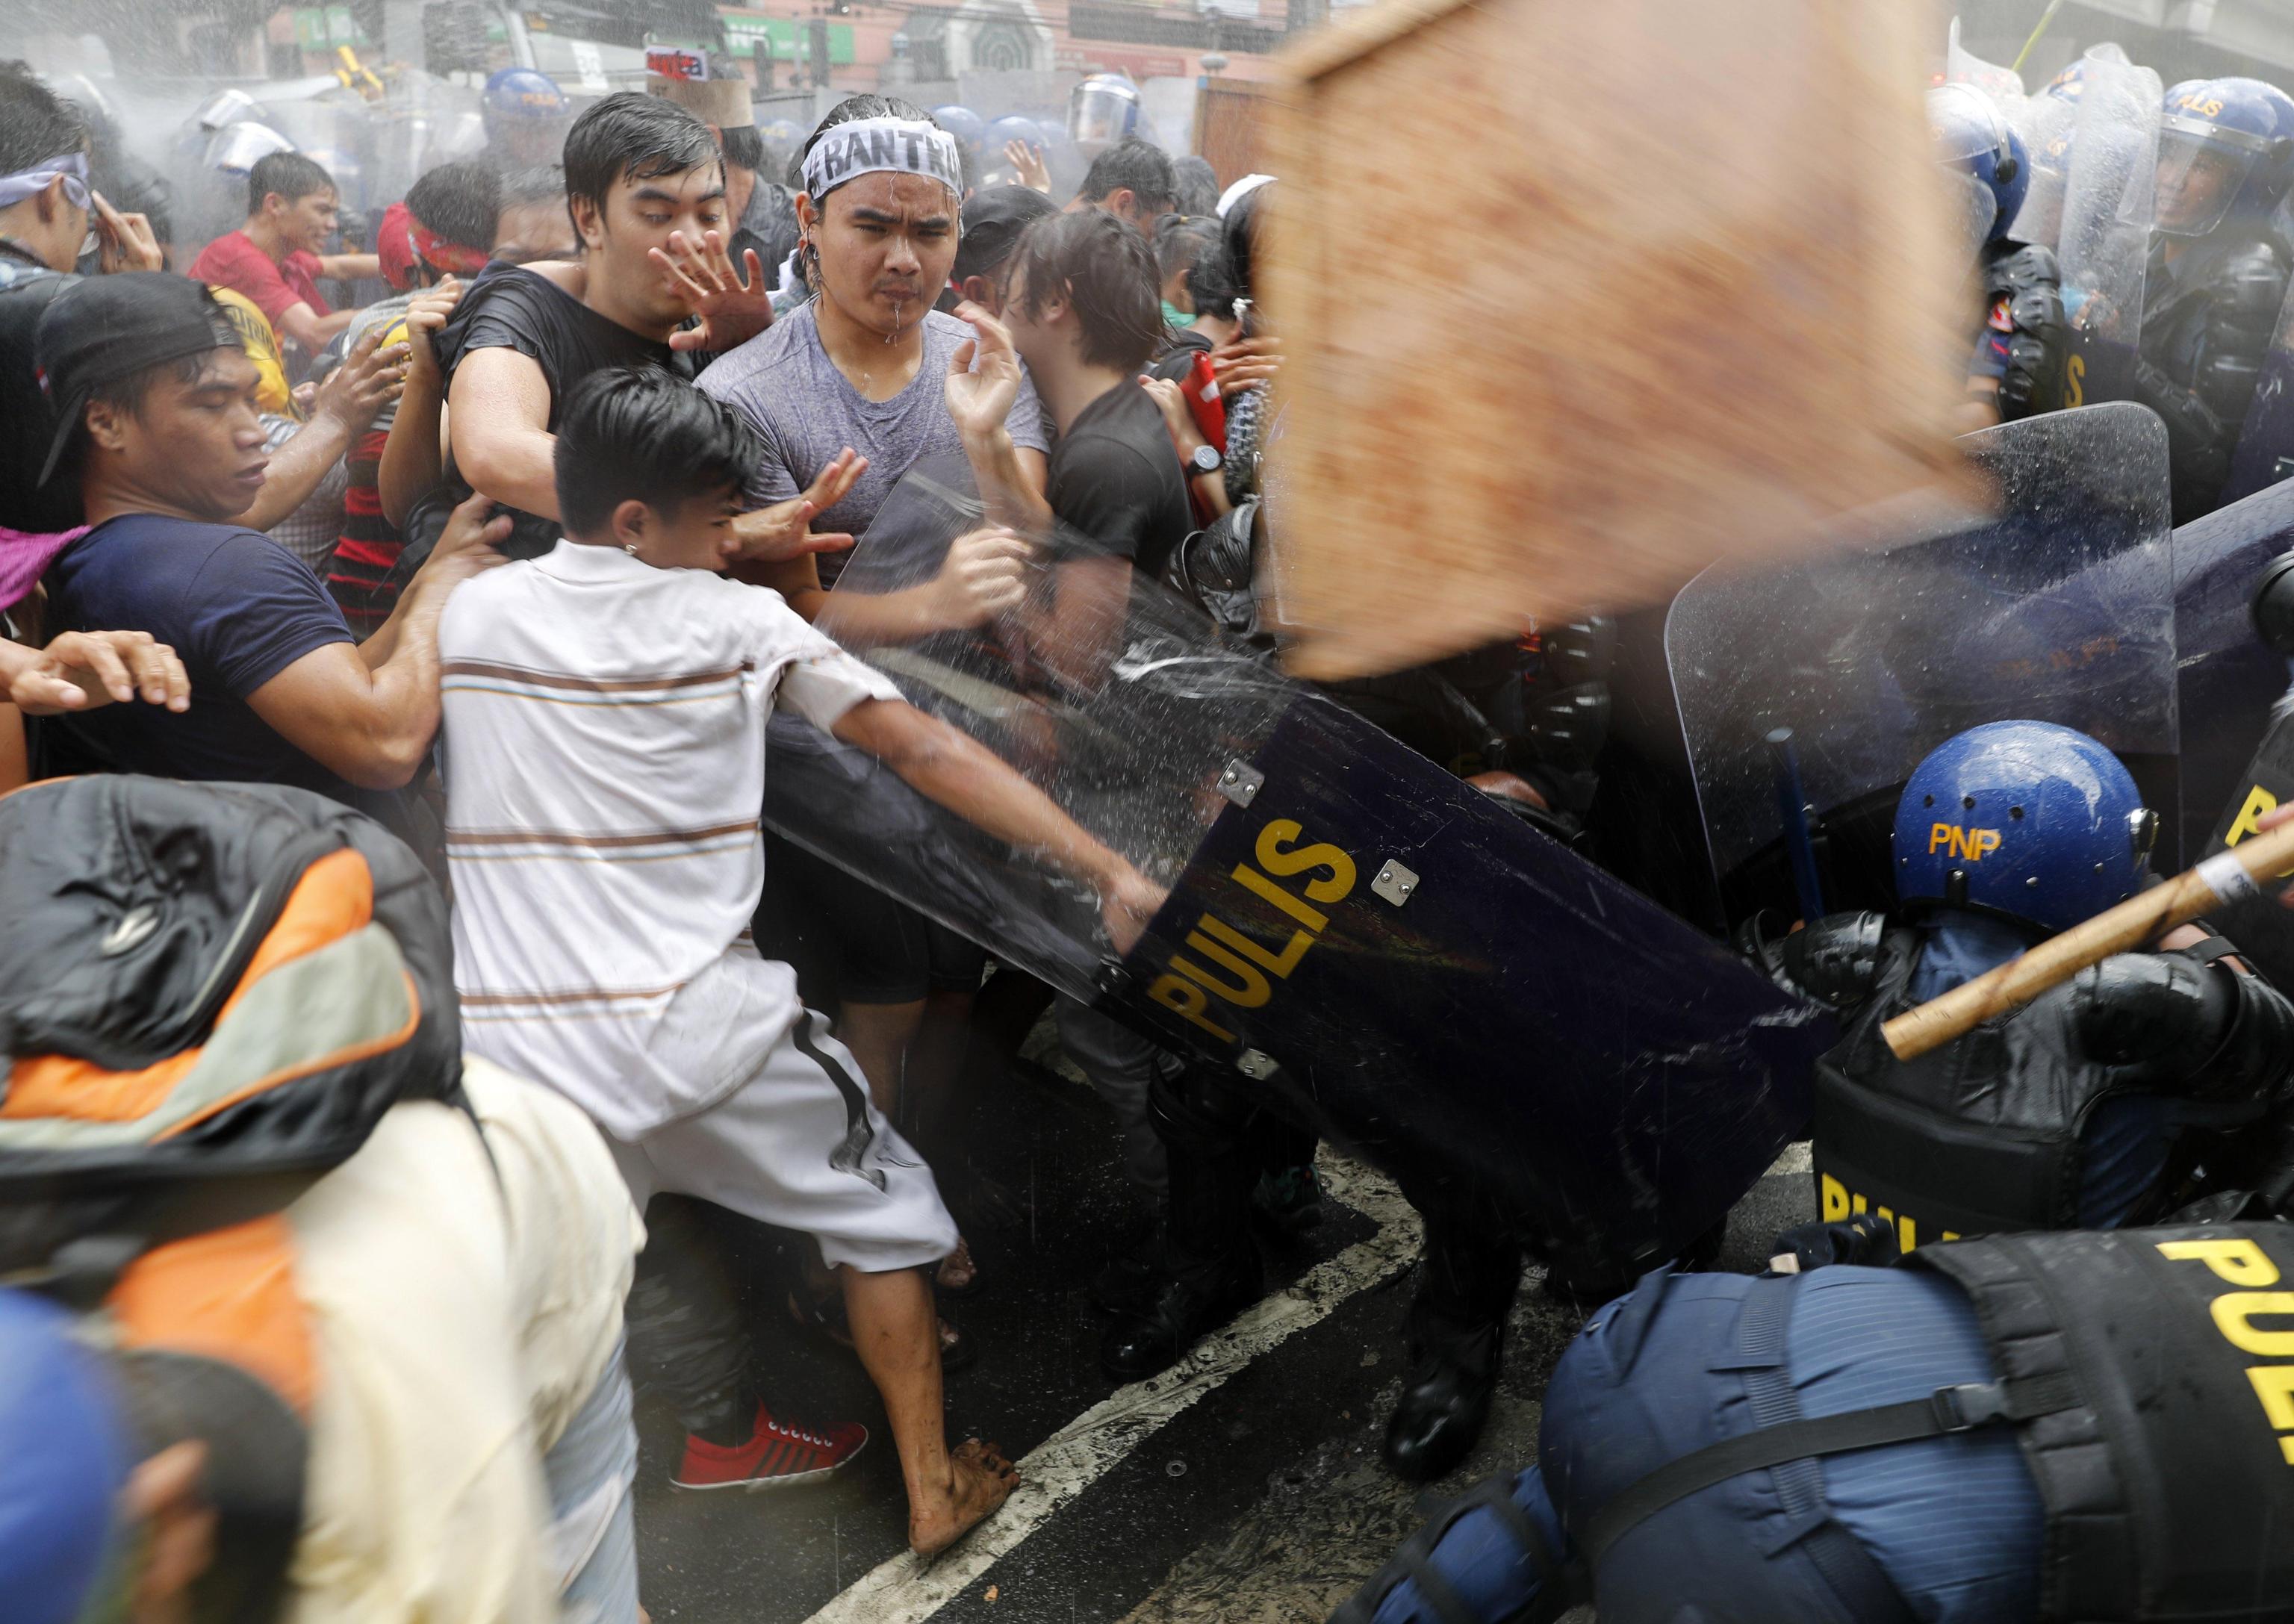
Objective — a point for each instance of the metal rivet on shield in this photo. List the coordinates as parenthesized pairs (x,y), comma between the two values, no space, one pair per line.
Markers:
(1240,784)
(1394,883)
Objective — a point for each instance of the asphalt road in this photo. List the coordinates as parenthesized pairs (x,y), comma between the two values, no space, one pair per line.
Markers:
(1244,1486)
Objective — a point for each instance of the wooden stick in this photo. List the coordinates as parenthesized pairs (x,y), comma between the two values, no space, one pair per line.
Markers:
(2225,877)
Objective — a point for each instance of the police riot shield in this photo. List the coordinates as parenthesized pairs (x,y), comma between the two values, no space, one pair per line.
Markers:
(2228,677)
(2265,442)
(2059,610)
(2104,240)
(1403,963)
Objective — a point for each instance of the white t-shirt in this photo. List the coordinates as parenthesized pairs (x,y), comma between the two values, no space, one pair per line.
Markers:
(605,732)
(461,1307)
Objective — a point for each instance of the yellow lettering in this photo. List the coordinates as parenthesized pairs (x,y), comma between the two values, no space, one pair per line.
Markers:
(1251,880)
(2274,1385)
(2286,1449)
(2074,382)
(1834,1197)
(2242,1263)
(1185,1000)
(2234,1314)
(1940,835)
(2258,801)
(1855,1202)
(1908,1234)
(1284,832)
(1252,990)
(1951,1234)
(1986,840)
(1280,963)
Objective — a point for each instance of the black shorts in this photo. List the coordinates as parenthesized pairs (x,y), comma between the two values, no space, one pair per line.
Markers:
(851,943)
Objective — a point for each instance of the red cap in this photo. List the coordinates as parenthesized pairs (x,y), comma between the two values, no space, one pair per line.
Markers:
(396,247)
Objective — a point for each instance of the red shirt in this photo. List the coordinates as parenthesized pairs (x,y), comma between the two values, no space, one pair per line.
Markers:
(233,261)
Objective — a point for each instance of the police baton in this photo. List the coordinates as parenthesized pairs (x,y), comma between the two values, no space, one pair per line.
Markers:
(2225,878)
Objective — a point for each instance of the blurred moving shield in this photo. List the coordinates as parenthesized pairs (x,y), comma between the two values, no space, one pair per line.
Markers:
(1674,283)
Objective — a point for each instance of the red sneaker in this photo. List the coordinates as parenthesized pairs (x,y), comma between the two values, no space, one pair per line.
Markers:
(776,1453)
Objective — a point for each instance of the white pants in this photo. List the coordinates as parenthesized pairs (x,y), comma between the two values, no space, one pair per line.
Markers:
(799,1146)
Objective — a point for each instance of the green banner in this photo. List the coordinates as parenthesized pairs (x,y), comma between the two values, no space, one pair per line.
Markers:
(322,27)
(789,41)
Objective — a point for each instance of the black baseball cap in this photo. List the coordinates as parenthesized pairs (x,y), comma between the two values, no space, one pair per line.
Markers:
(106,328)
(993,220)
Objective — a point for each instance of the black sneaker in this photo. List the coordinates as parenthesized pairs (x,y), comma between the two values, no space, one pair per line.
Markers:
(1290,1198)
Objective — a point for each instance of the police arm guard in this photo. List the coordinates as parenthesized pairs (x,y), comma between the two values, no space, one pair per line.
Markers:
(2029,282)
(2232,1032)
(1835,960)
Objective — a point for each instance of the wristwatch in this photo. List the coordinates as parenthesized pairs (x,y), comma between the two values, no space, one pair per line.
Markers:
(1205,458)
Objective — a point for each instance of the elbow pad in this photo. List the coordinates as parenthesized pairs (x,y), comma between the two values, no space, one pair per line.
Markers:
(2221,1035)
(1835,960)
(2255,1054)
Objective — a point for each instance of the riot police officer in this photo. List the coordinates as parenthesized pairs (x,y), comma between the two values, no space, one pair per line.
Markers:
(2103,1101)
(2017,369)
(2217,273)
(2066,1427)
(1103,110)
(526,117)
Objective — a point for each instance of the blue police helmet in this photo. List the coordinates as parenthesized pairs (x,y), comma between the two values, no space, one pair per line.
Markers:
(1012,126)
(523,96)
(2027,819)
(1973,140)
(1101,110)
(2225,149)
(64,1457)
(2071,84)
(969,128)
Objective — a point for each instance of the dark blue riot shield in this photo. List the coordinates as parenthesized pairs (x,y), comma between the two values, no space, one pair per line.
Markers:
(2060,610)
(1411,968)
(2265,442)
(2227,679)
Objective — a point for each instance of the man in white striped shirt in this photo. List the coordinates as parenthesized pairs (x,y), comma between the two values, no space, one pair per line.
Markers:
(605,723)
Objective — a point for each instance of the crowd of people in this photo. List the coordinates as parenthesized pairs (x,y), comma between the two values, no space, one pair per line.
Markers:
(398,688)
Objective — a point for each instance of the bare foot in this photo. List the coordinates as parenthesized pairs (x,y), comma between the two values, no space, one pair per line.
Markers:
(958,1272)
(981,1479)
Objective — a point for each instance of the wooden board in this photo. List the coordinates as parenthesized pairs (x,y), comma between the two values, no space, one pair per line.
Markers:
(1650,285)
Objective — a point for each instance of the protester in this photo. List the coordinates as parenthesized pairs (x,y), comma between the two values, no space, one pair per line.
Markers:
(1197,186)
(157,424)
(533,223)
(444,228)
(47,213)
(993,220)
(1132,179)
(762,1114)
(643,180)
(869,363)
(1181,242)
(277,255)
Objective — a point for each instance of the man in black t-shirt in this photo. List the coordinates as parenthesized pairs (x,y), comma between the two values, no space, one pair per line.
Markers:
(1086,312)
(645,183)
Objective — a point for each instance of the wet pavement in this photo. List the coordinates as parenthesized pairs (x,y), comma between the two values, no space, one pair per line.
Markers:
(1243,1486)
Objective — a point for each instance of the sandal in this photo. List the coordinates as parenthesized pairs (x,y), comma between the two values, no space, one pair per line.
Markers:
(957,1276)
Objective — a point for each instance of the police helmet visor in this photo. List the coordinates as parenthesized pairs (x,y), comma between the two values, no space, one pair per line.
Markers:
(1100,113)
(1975,209)
(1965,125)
(2201,170)
(226,107)
(235,149)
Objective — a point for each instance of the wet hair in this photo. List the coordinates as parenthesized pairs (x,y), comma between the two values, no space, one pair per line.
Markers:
(1182,241)
(1140,166)
(1198,185)
(744,147)
(643,435)
(291,175)
(525,188)
(632,137)
(1242,243)
(852,107)
(35,122)
(1106,272)
(460,202)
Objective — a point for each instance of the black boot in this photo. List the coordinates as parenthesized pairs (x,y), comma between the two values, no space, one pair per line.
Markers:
(1445,1400)
(1181,1309)
(1211,1264)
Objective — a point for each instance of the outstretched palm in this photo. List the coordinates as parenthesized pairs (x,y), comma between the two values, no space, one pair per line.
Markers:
(735,306)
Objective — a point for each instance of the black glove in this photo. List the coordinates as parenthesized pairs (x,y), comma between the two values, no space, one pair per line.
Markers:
(1864,1238)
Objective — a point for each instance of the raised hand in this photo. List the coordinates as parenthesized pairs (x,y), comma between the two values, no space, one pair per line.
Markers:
(984,575)
(983,375)
(735,306)
(425,316)
(1247,363)
(780,532)
(1128,902)
(1027,163)
(125,242)
(370,378)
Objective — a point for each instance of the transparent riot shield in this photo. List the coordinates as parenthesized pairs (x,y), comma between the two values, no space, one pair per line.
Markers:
(2060,610)
(2104,240)
(1416,972)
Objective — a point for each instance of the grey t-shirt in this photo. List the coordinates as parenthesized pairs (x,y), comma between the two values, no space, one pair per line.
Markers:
(805,411)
